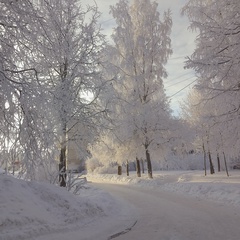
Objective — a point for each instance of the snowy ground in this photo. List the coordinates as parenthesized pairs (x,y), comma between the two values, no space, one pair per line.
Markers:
(30,210)
(217,187)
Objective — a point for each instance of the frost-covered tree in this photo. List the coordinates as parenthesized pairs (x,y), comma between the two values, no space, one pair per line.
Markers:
(196,114)
(51,69)
(22,105)
(212,132)
(70,49)
(141,49)
(216,57)
(216,62)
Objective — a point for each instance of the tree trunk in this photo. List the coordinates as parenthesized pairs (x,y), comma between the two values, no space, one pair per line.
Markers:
(211,163)
(142,162)
(149,164)
(62,167)
(225,162)
(127,168)
(218,161)
(63,158)
(138,167)
(204,159)
(119,170)
(210,157)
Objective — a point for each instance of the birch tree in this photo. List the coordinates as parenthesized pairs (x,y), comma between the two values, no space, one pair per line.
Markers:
(22,106)
(216,62)
(71,50)
(55,50)
(215,58)
(141,49)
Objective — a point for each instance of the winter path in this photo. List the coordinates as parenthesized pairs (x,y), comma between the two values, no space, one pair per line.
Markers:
(118,215)
(163,215)
(175,205)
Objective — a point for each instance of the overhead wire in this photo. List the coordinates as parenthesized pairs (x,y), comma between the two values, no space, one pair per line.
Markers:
(171,79)
(183,88)
(184,80)
(179,76)
(184,56)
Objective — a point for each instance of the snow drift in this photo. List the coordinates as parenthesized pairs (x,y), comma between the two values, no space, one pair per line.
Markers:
(30,209)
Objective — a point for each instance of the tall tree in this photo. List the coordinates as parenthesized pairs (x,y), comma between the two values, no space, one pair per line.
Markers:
(22,106)
(70,49)
(55,55)
(141,48)
(216,62)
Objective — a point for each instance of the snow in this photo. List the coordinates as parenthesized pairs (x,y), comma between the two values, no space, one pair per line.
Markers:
(217,187)
(31,210)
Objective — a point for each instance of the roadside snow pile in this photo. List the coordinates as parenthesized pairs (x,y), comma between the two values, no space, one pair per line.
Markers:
(217,187)
(30,209)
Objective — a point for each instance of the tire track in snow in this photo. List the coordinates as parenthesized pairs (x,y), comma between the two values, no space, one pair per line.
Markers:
(122,232)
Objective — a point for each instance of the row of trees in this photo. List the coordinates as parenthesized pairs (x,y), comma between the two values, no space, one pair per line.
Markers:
(143,125)
(62,82)
(213,106)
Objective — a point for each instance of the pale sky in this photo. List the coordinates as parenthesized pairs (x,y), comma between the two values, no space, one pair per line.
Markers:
(182,44)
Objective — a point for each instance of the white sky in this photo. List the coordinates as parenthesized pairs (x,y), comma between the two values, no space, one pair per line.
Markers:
(182,44)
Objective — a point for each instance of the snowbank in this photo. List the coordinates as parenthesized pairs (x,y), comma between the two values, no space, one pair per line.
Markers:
(217,187)
(30,209)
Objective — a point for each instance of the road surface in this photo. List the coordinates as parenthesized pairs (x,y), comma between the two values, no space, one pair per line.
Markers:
(161,215)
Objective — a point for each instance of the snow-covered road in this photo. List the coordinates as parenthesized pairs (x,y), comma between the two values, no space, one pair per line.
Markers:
(163,215)
(175,205)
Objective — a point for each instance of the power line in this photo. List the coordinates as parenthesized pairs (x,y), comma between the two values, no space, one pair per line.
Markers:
(184,56)
(179,77)
(179,82)
(183,88)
